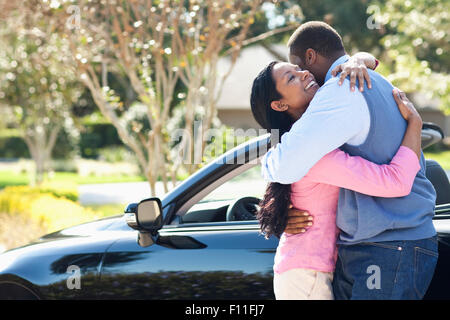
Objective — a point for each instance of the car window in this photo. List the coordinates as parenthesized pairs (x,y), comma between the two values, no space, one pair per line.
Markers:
(247,184)
(213,206)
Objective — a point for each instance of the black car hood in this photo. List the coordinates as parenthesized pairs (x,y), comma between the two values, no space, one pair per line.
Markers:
(92,237)
(115,223)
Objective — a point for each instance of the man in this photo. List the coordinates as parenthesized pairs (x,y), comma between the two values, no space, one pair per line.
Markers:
(387,247)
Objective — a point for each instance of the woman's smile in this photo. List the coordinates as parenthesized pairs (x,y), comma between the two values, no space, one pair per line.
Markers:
(311,84)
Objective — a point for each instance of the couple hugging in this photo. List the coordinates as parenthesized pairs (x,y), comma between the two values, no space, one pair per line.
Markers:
(348,196)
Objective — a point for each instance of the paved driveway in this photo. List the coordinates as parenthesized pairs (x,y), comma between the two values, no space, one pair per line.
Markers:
(108,193)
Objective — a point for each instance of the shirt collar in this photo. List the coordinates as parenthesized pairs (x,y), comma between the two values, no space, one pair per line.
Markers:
(339,61)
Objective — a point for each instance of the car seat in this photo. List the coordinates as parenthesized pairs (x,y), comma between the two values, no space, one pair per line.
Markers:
(439,179)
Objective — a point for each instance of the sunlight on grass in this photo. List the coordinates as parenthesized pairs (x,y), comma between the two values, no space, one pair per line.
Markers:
(8,178)
(64,179)
(108,210)
(442,157)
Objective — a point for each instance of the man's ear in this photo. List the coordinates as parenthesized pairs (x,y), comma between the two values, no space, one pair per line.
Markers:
(310,57)
(278,106)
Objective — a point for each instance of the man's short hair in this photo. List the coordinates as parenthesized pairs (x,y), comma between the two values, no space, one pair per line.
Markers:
(316,35)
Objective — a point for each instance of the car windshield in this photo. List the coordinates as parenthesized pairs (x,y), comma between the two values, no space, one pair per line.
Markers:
(213,206)
(247,184)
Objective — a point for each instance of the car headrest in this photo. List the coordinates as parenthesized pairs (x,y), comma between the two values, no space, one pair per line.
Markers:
(439,179)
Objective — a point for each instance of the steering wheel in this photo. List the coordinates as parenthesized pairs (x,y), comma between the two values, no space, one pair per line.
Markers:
(243,209)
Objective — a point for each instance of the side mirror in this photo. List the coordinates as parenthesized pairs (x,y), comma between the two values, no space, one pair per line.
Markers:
(149,214)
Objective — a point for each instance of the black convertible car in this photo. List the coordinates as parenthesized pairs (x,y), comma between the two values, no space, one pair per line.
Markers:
(201,241)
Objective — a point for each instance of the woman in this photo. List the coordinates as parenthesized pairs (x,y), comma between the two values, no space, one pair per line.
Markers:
(304,263)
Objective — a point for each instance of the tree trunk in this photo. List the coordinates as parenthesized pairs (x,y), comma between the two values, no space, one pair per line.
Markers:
(41,149)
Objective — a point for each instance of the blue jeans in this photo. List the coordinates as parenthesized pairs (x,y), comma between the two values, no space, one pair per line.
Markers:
(391,270)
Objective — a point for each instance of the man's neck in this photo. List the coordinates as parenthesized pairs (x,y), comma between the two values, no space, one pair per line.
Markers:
(325,65)
(333,62)
(332,59)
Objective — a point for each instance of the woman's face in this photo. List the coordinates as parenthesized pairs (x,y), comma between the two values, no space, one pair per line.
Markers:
(296,86)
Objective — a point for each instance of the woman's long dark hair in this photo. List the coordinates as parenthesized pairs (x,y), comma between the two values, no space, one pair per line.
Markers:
(274,206)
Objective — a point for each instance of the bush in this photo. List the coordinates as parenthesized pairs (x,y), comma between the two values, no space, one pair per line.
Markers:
(51,210)
(116,154)
(26,190)
(13,147)
(97,136)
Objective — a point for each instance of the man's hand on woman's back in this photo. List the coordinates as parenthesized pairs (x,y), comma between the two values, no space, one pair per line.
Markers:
(298,221)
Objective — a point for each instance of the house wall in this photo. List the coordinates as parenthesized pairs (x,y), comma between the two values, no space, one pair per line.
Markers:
(238,118)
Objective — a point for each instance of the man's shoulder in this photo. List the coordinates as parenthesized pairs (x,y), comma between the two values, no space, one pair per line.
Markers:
(331,84)
(332,88)
(335,93)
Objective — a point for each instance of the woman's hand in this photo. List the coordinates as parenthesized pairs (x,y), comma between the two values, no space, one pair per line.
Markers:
(356,68)
(407,109)
(412,138)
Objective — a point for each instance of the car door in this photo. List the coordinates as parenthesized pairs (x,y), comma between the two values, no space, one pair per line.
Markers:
(440,284)
(204,257)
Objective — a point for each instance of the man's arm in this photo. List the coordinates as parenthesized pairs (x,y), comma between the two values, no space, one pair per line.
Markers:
(335,116)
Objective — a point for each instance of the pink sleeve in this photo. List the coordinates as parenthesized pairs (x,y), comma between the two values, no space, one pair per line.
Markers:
(358,174)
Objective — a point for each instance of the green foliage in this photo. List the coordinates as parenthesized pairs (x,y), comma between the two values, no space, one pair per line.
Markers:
(410,38)
(115,154)
(97,135)
(26,190)
(442,157)
(13,179)
(417,46)
(52,209)
(13,147)
(348,18)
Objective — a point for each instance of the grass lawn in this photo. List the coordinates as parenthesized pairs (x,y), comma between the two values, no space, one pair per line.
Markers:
(8,178)
(442,157)
(108,209)
(11,179)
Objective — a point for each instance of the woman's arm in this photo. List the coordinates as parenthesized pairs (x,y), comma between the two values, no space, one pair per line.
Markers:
(413,134)
(388,180)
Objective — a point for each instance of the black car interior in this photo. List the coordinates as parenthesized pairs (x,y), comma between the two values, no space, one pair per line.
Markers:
(439,179)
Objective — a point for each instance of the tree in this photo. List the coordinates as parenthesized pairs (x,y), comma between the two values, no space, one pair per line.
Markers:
(36,90)
(410,38)
(417,43)
(156,45)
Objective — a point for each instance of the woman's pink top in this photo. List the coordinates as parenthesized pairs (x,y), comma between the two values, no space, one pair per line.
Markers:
(318,191)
